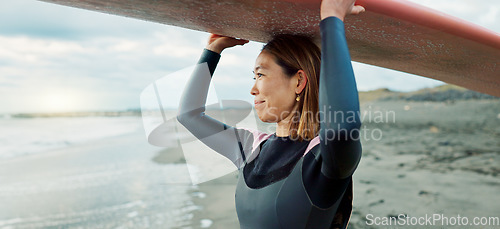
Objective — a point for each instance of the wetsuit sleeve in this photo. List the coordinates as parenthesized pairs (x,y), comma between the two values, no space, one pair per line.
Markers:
(231,142)
(338,104)
(211,58)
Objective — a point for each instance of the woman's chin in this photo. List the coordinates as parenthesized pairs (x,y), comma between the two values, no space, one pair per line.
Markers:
(263,119)
(267,119)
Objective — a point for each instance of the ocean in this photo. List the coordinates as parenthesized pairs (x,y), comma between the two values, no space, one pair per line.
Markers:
(25,136)
(88,172)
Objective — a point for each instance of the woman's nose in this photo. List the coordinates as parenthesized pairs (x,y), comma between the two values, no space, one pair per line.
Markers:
(254,90)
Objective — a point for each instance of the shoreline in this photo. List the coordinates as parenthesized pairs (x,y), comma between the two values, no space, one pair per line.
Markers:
(215,198)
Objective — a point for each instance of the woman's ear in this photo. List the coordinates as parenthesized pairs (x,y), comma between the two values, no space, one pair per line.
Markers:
(301,81)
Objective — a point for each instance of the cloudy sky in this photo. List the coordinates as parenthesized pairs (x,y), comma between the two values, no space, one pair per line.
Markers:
(55,58)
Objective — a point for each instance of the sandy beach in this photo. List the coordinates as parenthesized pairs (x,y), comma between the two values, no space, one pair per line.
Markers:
(436,159)
(421,158)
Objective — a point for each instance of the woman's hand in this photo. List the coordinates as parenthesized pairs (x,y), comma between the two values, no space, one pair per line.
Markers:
(217,43)
(339,8)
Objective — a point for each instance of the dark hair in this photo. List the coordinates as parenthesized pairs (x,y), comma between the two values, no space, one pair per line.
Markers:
(294,53)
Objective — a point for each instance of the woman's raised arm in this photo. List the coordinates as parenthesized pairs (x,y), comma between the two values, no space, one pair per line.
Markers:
(338,95)
(222,138)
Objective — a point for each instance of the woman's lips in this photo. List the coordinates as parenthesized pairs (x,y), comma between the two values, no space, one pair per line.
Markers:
(258,103)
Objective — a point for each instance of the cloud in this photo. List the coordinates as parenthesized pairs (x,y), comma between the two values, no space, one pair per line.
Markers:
(180,43)
(36,52)
(491,17)
(115,68)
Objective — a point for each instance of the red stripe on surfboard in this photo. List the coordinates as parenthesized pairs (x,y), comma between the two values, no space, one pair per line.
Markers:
(431,18)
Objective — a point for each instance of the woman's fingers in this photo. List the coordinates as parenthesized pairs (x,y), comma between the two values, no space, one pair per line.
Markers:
(217,43)
(241,41)
(226,39)
(213,37)
(339,8)
(357,10)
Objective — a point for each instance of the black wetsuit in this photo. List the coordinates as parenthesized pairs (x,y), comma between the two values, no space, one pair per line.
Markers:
(284,183)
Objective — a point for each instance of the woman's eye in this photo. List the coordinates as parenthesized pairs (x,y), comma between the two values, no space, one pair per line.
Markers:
(258,75)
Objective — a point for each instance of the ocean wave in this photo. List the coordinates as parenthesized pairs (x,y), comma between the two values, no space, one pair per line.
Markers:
(25,136)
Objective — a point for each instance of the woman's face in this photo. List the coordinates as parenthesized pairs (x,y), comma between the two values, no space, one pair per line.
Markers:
(274,91)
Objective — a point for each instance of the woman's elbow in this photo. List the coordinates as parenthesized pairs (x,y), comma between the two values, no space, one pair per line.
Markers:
(349,166)
(184,118)
(181,119)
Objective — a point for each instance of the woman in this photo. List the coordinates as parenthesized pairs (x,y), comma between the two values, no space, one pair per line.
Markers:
(300,176)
